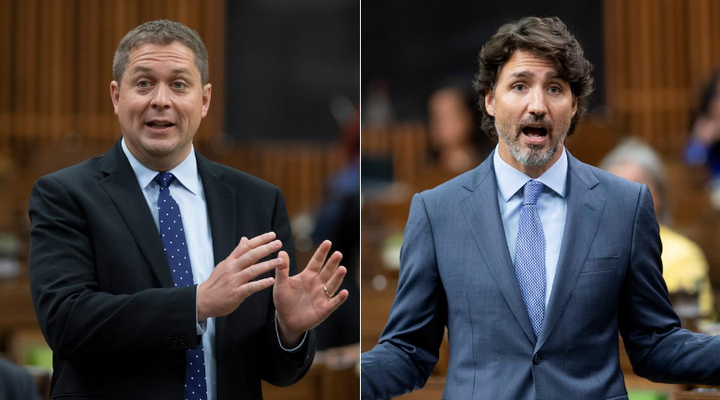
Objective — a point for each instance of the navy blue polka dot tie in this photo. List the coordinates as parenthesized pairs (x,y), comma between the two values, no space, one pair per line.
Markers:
(530,256)
(176,249)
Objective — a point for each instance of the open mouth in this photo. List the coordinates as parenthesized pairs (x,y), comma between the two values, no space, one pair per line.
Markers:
(534,131)
(159,124)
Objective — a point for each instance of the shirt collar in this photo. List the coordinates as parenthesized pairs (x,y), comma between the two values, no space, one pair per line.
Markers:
(510,180)
(185,173)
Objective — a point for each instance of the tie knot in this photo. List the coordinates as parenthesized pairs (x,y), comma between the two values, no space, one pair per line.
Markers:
(532,191)
(164,179)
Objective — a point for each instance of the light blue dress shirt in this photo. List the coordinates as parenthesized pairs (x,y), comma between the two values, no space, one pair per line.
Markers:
(188,192)
(552,207)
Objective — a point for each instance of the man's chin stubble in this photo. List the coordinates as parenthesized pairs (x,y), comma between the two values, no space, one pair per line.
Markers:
(536,158)
(531,155)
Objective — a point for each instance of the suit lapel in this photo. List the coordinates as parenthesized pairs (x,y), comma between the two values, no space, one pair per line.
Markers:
(482,214)
(584,209)
(123,188)
(220,199)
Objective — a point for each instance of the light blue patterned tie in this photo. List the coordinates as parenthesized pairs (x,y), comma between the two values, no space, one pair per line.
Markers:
(530,256)
(173,237)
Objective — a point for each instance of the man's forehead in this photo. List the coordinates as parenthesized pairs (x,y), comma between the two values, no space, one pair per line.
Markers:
(150,57)
(524,59)
(143,69)
(524,63)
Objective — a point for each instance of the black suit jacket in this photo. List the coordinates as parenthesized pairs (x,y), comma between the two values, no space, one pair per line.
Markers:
(104,295)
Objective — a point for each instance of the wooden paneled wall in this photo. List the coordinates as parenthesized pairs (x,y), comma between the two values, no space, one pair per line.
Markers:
(299,170)
(56,64)
(55,108)
(658,53)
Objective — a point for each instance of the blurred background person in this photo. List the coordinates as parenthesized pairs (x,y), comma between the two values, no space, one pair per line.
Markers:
(16,382)
(703,147)
(685,268)
(339,222)
(456,142)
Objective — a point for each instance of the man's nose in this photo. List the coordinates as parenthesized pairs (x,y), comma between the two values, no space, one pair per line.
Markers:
(161,99)
(537,102)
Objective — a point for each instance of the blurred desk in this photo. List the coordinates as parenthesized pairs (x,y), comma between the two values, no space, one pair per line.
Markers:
(383,217)
(333,376)
(690,395)
(375,306)
(16,309)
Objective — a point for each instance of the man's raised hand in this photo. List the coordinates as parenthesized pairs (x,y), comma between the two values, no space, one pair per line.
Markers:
(305,300)
(231,282)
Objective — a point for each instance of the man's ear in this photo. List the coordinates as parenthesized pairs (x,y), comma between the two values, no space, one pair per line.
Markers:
(490,102)
(115,95)
(207,94)
(575,106)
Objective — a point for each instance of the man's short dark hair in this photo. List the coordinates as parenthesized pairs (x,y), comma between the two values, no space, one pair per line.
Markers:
(547,38)
(161,32)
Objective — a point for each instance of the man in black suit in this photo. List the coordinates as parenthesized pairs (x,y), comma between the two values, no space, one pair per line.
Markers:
(118,315)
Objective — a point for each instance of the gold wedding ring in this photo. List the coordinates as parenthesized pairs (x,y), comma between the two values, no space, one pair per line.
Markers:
(328,294)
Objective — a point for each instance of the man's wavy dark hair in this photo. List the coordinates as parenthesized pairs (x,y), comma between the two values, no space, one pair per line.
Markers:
(547,38)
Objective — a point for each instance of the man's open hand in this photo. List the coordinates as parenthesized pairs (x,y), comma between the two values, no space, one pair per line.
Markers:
(231,281)
(303,301)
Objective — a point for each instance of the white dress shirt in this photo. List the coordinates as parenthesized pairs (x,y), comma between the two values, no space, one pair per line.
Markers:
(551,205)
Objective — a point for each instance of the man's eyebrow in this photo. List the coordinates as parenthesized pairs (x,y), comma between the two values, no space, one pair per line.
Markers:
(528,74)
(548,75)
(522,74)
(141,69)
(179,71)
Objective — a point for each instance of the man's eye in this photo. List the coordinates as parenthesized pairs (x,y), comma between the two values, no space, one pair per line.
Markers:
(518,87)
(178,85)
(554,90)
(143,84)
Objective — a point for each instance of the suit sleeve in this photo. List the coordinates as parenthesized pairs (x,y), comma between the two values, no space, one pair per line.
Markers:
(284,368)
(409,346)
(77,319)
(659,349)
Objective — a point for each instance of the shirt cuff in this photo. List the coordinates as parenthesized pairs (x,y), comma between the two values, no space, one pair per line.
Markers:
(200,326)
(277,333)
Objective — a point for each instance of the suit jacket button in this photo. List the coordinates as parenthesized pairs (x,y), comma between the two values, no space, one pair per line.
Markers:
(166,341)
(536,360)
(174,341)
(183,340)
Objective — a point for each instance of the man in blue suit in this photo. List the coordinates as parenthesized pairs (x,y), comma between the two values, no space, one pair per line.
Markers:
(533,260)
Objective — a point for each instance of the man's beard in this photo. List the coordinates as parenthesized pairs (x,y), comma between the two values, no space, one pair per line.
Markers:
(532,155)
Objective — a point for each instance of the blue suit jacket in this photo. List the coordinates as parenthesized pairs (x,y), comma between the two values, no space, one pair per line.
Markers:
(457,272)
